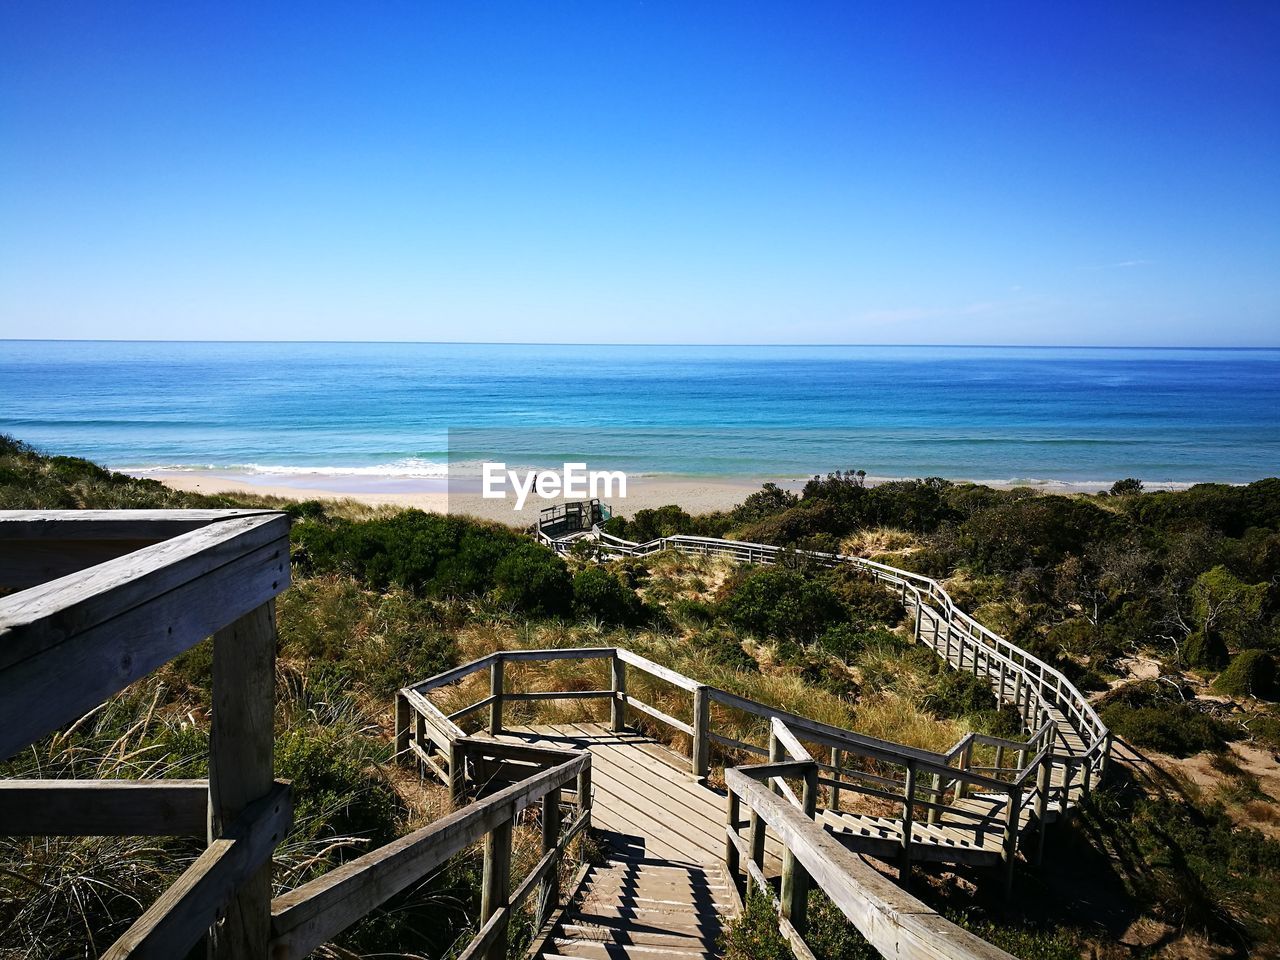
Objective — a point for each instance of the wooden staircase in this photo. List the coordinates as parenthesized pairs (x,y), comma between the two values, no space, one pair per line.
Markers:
(646,909)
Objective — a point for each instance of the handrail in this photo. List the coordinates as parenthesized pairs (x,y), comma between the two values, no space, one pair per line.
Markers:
(312,914)
(894,923)
(1046,688)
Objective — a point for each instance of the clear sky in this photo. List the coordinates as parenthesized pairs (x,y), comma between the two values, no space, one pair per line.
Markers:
(1070,173)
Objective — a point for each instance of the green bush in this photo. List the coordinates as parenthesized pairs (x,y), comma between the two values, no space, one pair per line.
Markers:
(599,595)
(786,604)
(954,693)
(1176,728)
(1251,673)
(830,935)
(754,934)
(1204,649)
(437,555)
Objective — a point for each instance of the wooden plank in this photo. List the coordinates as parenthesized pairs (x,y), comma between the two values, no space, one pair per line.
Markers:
(656,670)
(113,524)
(47,615)
(61,684)
(317,911)
(25,563)
(104,808)
(241,765)
(178,920)
(670,721)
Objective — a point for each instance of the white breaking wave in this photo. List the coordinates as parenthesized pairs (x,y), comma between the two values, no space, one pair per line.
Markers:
(409,468)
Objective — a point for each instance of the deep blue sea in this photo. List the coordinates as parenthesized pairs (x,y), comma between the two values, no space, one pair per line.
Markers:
(752,412)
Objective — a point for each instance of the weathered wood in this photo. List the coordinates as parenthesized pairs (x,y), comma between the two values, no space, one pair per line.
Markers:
(618,705)
(700,747)
(47,615)
(908,821)
(495,886)
(64,680)
(549,891)
(113,524)
(495,696)
(656,670)
(317,911)
(795,881)
(176,922)
(404,725)
(241,765)
(25,563)
(894,922)
(670,721)
(104,808)
(731,836)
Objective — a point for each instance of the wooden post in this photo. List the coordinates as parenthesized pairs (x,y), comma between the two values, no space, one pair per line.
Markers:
(1009,849)
(1068,774)
(700,752)
(755,837)
(618,705)
(1043,779)
(495,691)
(1000,697)
(495,884)
(908,818)
(731,831)
(795,879)
(999,758)
(962,788)
(241,765)
(404,725)
(935,797)
(919,611)
(549,893)
(457,775)
(837,758)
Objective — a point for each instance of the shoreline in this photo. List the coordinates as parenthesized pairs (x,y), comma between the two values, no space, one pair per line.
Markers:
(693,494)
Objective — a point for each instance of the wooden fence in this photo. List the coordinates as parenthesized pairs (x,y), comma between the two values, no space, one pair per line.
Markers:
(105,597)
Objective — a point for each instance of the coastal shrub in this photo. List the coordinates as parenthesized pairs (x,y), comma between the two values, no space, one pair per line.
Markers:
(1177,728)
(534,580)
(437,555)
(724,648)
(954,694)
(1126,487)
(599,595)
(765,502)
(868,602)
(753,934)
(782,603)
(1227,606)
(1251,673)
(847,640)
(1205,649)
(830,935)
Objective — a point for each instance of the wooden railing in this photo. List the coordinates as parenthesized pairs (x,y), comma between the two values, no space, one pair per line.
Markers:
(105,597)
(316,912)
(894,923)
(435,738)
(913,779)
(1039,692)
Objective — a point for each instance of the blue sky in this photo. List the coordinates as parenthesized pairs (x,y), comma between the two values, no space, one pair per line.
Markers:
(1088,173)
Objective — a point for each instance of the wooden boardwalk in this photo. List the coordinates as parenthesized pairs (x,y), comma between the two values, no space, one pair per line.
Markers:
(662,891)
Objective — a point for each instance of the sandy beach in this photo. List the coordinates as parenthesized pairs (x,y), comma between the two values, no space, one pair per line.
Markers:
(695,495)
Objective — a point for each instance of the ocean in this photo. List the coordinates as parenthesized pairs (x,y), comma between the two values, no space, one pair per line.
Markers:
(401,410)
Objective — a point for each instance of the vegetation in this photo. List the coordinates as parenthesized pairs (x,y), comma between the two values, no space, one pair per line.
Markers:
(1185,583)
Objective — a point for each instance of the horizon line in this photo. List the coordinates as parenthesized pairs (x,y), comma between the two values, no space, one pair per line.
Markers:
(587,343)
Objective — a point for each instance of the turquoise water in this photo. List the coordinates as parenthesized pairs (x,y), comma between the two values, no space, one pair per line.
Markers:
(387,410)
